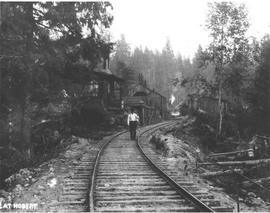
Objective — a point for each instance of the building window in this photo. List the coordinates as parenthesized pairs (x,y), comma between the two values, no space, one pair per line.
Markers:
(116,85)
(93,88)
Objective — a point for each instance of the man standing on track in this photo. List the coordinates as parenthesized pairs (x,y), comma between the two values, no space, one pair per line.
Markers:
(132,122)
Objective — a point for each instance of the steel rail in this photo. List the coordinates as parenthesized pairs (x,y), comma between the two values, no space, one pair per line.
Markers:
(199,204)
(97,160)
(94,173)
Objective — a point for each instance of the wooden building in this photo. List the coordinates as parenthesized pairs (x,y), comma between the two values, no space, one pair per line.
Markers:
(206,104)
(150,105)
(100,95)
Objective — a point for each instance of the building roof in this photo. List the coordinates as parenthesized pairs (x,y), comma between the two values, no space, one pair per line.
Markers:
(143,89)
(109,72)
(106,73)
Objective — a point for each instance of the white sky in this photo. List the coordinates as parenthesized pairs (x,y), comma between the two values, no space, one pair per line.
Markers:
(150,22)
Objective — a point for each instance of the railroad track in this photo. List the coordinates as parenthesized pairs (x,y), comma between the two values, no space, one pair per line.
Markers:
(124,178)
(74,196)
(75,193)
(199,197)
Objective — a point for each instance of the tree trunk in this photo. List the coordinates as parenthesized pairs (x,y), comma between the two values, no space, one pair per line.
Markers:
(256,181)
(238,163)
(220,106)
(30,30)
(26,128)
(221,173)
(1,20)
(220,84)
(224,154)
(0,77)
(0,14)
(26,107)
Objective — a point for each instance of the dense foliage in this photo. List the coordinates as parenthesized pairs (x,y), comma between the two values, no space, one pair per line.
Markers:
(258,96)
(45,47)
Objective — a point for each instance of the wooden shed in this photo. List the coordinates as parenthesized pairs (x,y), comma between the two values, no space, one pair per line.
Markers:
(150,105)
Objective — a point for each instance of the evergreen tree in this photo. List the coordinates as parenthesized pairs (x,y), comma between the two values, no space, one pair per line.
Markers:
(122,52)
(260,98)
(37,42)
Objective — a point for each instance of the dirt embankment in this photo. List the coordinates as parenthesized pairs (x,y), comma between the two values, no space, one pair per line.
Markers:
(181,147)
